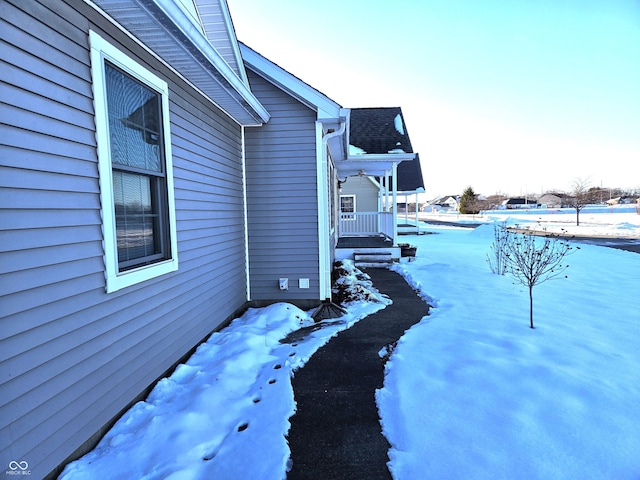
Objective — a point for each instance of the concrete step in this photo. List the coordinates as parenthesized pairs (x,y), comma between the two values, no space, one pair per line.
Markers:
(380,260)
(373,257)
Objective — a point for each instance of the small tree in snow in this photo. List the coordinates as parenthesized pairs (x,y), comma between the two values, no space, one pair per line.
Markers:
(580,196)
(531,260)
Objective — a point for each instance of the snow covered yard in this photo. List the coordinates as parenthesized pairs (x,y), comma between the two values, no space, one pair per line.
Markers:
(471,391)
(617,221)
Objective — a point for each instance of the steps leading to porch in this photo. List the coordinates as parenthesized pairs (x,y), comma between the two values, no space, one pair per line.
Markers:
(370,249)
(386,255)
(377,259)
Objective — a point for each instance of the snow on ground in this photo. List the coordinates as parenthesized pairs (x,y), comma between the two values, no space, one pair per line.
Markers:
(471,391)
(618,221)
(225,413)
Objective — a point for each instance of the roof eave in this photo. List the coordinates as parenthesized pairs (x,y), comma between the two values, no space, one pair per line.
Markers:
(235,48)
(163,28)
(325,107)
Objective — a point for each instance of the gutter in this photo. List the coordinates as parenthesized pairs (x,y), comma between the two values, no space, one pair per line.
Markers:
(324,259)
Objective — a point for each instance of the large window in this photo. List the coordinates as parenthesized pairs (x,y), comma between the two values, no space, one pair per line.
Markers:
(134,153)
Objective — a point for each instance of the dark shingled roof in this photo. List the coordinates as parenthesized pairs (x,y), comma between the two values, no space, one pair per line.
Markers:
(374,131)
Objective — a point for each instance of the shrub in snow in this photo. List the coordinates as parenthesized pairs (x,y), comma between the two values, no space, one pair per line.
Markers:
(351,285)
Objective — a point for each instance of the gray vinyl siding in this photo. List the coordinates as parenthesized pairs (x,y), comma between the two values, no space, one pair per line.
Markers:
(282,197)
(71,355)
(365,191)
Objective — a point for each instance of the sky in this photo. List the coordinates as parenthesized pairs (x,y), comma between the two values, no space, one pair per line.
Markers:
(505,96)
(470,392)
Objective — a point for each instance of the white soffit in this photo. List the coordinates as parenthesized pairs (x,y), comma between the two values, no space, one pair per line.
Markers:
(376,165)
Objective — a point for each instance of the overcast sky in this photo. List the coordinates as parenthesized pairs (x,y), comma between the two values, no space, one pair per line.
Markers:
(501,95)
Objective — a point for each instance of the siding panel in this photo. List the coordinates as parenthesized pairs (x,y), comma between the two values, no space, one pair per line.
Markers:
(282,201)
(71,355)
(365,191)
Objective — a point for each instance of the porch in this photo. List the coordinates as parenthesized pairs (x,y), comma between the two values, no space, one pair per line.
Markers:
(367,238)
(366,224)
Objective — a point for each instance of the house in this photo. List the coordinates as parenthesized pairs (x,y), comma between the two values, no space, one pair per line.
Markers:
(158,179)
(555,200)
(124,226)
(444,203)
(518,203)
(378,132)
(623,200)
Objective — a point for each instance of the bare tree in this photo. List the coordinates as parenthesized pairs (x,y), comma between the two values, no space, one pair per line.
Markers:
(580,196)
(531,260)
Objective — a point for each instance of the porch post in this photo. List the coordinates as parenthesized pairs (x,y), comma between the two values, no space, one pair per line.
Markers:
(406,208)
(386,191)
(380,203)
(394,179)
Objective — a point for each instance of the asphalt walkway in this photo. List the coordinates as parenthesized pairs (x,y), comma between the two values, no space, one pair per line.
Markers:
(335,433)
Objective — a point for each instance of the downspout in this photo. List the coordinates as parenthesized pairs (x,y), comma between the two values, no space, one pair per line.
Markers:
(246,215)
(323,209)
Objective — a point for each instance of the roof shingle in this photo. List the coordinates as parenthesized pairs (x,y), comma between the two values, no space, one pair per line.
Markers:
(382,130)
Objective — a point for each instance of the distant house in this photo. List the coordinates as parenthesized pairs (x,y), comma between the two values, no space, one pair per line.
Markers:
(623,200)
(519,203)
(444,203)
(554,200)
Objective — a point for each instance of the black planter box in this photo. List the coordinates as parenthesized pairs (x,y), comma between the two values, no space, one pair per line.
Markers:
(407,250)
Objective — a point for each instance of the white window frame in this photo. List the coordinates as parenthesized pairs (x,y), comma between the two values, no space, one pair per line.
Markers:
(354,203)
(102,50)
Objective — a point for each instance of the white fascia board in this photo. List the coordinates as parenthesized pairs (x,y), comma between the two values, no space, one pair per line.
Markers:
(411,192)
(234,40)
(196,36)
(381,157)
(305,93)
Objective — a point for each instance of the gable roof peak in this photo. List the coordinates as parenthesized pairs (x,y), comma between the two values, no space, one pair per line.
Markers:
(215,20)
(313,98)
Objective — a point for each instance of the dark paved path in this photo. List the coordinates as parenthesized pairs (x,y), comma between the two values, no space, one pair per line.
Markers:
(628,244)
(335,433)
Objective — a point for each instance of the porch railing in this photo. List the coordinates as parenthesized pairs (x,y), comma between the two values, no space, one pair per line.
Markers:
(366,223)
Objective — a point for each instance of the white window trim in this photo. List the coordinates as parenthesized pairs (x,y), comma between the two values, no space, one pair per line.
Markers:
(115,280)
